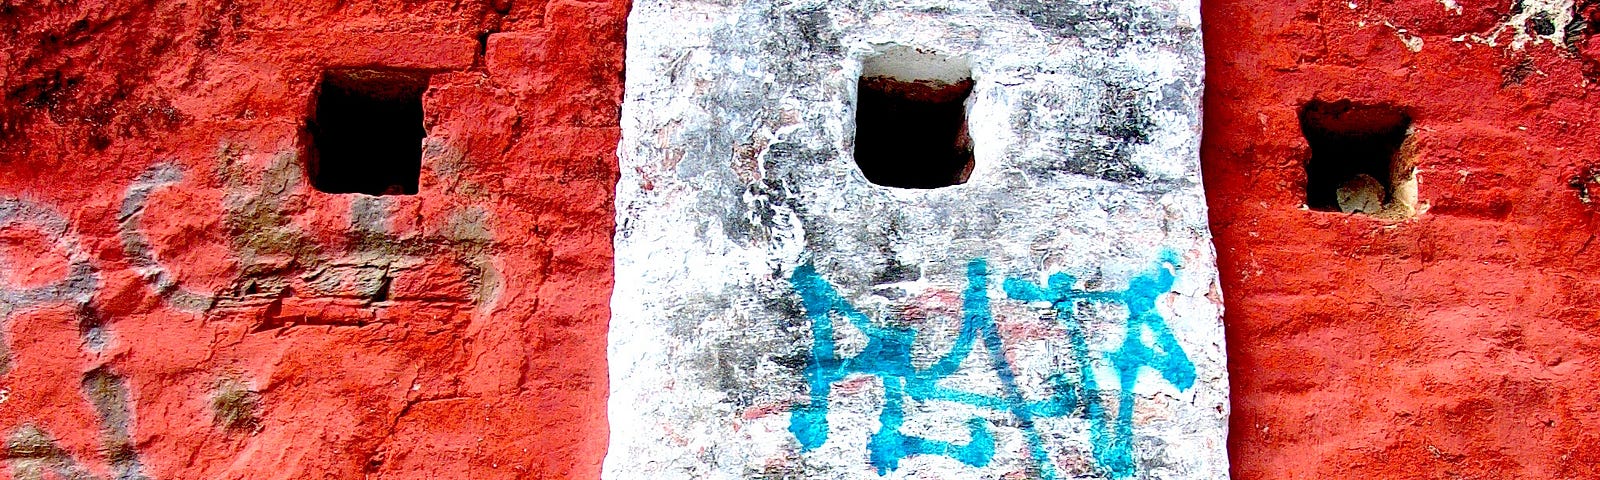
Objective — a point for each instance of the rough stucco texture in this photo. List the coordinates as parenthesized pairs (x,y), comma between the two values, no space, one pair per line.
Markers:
(1458,344)
(778,316)
(177,302)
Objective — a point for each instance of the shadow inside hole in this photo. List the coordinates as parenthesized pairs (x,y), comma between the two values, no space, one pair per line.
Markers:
(913,134)
(1354,154)
(367,132)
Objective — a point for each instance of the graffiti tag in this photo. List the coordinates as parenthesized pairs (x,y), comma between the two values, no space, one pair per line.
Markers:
(888,357)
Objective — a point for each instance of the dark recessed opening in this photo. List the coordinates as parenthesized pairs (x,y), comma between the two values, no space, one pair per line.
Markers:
(913,134)
(367,132)
(1355,161)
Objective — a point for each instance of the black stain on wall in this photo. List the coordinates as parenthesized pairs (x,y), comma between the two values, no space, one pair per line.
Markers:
(1106,152)
(1100,23)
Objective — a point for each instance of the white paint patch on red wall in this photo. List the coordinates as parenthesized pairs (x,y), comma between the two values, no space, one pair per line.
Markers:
(1052,312)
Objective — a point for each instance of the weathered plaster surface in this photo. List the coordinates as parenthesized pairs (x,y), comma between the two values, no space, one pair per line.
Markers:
(177,300)
(749,246)
(1457,343)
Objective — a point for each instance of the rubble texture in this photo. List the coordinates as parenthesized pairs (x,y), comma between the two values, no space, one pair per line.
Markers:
(1458,343)
(778,316)
(178,302)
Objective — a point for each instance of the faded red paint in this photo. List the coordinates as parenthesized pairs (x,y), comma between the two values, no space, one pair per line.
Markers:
(430,382)
(1458,344)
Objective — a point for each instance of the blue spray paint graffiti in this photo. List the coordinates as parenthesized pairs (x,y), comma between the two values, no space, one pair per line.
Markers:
(888,356)
(1113,443)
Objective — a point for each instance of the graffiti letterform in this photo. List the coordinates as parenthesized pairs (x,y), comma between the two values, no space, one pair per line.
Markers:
(30,450)
(888,357)
(263,235)
(263,232)
(138,249)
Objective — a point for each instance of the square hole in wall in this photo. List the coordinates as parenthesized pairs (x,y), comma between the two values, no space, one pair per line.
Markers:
(367,132)
(1359,158)
(911,120)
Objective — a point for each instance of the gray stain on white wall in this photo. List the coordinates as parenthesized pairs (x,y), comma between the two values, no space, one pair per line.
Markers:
(776,315)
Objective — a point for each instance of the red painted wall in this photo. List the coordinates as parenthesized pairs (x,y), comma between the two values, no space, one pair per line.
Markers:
(144,140)
(1458,344)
